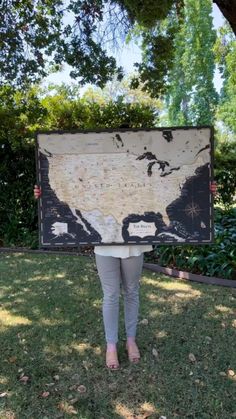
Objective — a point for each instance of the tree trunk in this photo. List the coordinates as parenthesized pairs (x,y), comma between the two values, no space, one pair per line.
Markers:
(228,9)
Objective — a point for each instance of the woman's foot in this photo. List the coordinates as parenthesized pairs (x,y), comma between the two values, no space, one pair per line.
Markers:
(133,351)
(111,357)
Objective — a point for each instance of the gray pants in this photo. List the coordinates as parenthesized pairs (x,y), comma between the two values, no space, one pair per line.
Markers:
(115,272)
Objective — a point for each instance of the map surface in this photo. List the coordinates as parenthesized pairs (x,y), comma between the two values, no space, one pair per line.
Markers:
(125,186)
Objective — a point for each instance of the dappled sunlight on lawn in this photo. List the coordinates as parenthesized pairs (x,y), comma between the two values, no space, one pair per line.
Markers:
(221,312)
(50,322)
(155,313)
(60,275)
(142,411)
(49,277)
(123,411)
(83,347)
(3,380)
(8,319)
(152,297)
(224,309)
(169,284)
(161,334)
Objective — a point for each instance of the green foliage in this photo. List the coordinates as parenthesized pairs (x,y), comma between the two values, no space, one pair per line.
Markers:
(225,155)
(225,52)
(32,26)
(66,114)
(146,12)
(116,90)
(225,172)
(191,96)
(38,37)
(157,61)
(218,259)
(22,113)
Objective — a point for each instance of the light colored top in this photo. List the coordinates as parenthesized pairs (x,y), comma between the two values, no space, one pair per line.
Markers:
(122,252)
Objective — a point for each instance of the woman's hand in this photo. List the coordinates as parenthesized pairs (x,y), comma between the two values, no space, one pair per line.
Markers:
(213,187)
(37,192)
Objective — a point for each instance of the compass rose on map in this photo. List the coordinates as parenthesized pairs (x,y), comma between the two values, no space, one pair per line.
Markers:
(192,210)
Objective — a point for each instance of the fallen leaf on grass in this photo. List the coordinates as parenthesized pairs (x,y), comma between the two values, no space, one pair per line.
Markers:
(86,365)
(67,408)
(144,322)
(74,400)
(199,382)
(231,373)
(154,352)
(192,357)
(3,394)
(147,410)
(223,374)
(81,389)
(12,359)
(24,379)
(56,377)
(74,387)
(45,394)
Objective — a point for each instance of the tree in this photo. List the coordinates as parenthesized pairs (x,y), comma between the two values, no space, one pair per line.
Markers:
(35,34)
(46,33)
(191,96)
(22,112)
(116,90)
(225,51)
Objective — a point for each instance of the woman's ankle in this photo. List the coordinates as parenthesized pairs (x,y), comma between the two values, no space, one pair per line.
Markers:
(111,346)
(130,340)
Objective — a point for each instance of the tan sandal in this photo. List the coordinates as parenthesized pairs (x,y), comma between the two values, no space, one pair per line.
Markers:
(112,360)
(133,353)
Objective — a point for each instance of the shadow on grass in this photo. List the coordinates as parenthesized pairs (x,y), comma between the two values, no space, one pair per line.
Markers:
(52,332)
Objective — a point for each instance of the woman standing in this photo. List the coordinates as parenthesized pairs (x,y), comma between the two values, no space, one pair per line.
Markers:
(120,267)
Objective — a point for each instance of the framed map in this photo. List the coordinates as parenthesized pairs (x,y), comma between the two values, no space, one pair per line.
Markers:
(125,186)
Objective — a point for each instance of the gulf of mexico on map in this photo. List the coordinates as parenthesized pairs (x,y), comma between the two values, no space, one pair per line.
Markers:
(125,186)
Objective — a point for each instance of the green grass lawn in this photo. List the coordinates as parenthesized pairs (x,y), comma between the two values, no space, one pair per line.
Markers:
(52,346)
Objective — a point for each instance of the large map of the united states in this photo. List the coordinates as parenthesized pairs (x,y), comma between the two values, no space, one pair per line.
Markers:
(106,177)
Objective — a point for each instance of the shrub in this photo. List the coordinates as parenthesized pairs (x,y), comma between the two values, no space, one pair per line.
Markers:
(22,113)
(218,259)
(225,173)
